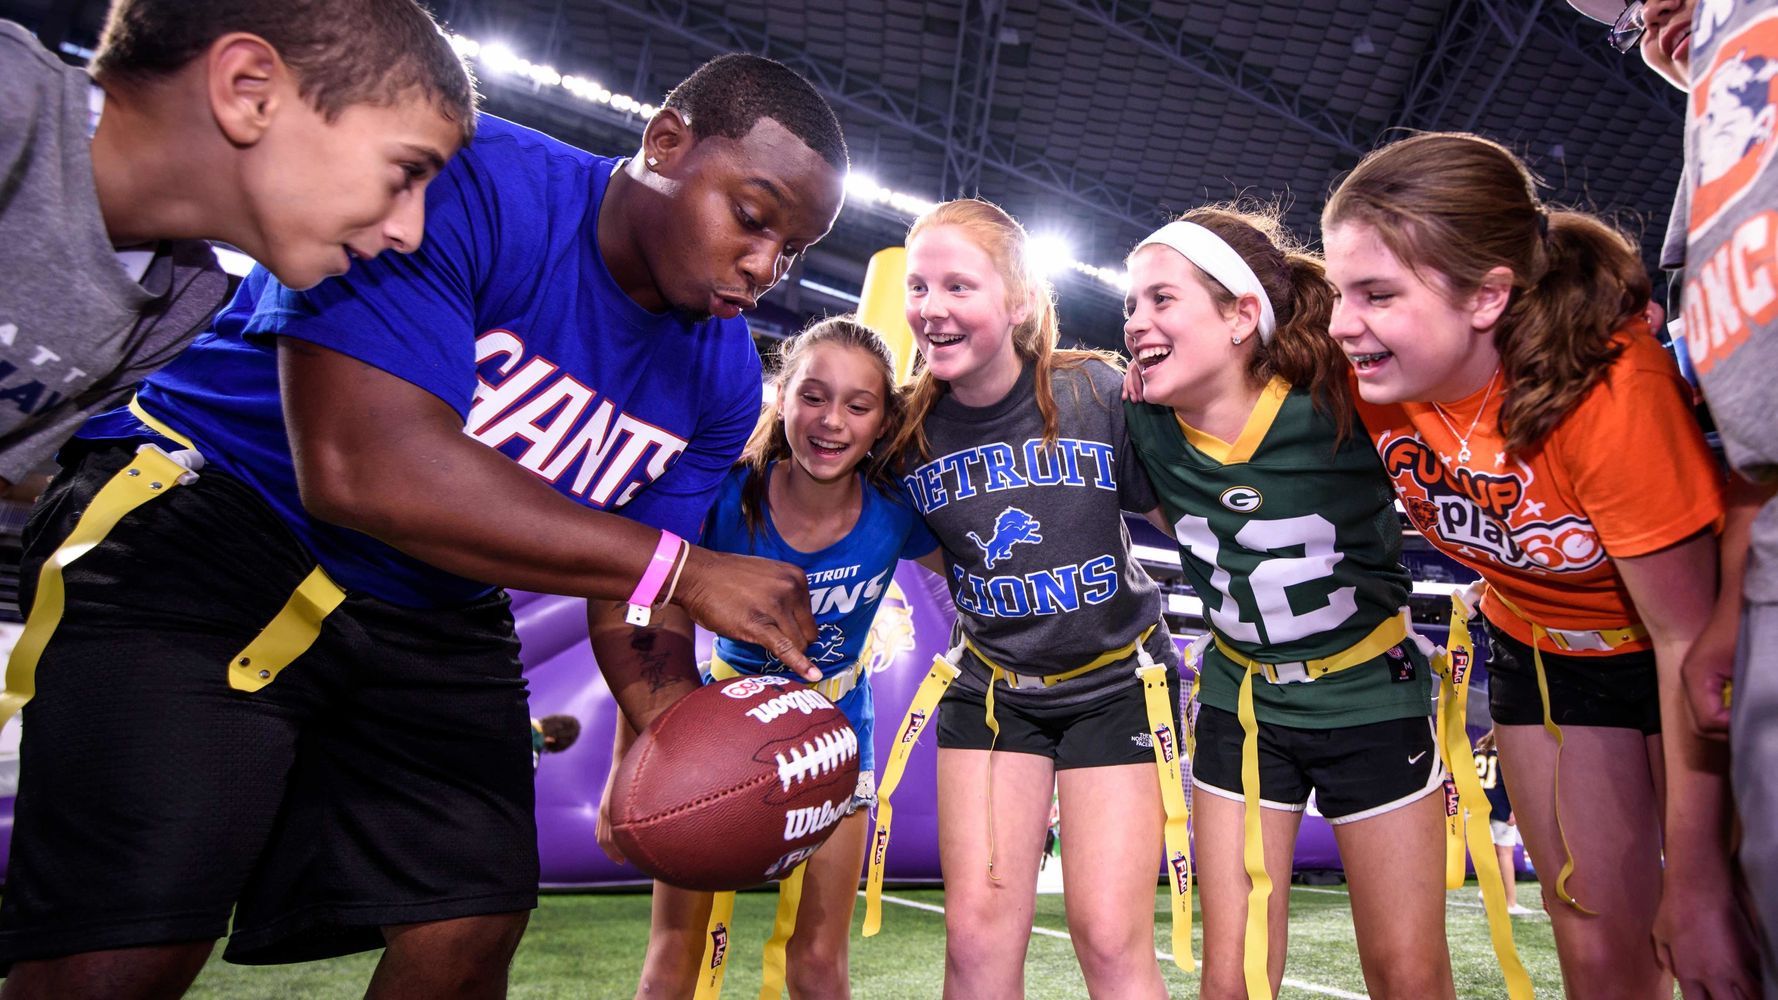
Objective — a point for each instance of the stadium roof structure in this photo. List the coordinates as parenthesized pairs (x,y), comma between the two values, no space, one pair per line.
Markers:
(1094,121)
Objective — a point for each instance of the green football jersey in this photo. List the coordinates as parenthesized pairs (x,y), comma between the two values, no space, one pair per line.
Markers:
(1294,546)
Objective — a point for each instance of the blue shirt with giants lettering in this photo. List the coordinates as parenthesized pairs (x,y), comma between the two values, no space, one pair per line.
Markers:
(847,581)
(507,314)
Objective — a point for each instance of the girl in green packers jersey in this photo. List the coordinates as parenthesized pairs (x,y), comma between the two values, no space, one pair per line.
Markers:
(1287,530)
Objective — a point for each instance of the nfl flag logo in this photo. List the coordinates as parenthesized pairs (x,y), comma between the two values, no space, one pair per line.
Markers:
(1163,738)
(718,944)
(1182,871)
(916,722)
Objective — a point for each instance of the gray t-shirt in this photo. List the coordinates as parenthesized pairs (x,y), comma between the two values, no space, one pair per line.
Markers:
(77,329)
(1673,243)
(1036,550)
(1731,286)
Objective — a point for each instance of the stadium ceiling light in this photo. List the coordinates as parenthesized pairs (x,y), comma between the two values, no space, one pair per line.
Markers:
(862,185)
(499,59)
(1049,254)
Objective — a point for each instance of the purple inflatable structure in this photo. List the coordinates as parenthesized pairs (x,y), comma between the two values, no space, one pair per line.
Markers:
(910,629)
(913,626)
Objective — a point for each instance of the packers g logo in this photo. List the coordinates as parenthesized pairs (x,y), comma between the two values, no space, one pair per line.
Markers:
(1242,499)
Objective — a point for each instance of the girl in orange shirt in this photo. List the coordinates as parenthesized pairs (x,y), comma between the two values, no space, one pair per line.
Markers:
(1537,433)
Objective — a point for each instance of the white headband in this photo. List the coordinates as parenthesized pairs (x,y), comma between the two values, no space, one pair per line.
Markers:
(1220,261)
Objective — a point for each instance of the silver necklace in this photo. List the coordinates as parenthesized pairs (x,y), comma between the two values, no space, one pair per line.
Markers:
(1463,452)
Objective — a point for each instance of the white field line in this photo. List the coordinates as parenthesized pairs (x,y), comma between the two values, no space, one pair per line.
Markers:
(1295,984)
(1539,915)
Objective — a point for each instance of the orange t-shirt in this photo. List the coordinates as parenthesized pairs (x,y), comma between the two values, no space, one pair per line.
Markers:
(1626,473)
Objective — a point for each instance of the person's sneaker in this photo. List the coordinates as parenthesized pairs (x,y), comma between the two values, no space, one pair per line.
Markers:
(1520,911)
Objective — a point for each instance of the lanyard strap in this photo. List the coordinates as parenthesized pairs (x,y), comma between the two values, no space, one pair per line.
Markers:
(919,713)
(1467,812)
(1157,699)
(716,941)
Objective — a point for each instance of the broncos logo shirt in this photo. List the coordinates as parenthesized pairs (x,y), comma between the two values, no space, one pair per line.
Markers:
(506,313)
(1731,308)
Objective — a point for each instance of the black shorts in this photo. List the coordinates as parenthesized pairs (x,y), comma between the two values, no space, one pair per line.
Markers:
(383,777)
(1356,772)
(1620,691)
(1106,731)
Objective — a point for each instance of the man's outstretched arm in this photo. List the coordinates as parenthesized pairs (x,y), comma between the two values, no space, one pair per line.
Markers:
(379,455)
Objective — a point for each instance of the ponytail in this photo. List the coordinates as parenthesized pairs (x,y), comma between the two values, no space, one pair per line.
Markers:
(1558,337)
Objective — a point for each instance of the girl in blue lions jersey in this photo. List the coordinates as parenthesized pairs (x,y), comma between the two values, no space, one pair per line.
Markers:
(809,491)
(1248,435)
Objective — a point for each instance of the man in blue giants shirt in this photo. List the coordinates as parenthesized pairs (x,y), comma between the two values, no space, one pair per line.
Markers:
(269,668)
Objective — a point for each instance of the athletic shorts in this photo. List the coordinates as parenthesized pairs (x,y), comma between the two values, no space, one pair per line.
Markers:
(864,794)
(1106,731)
(1356,772)
(1504,834)
(383,777)
(1620,692)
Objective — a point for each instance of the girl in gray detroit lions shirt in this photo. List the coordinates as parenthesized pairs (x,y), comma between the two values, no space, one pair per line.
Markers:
(1016,454)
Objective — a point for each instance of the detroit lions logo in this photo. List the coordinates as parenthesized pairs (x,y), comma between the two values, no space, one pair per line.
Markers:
(828,640)
(825,649)
(1010,528)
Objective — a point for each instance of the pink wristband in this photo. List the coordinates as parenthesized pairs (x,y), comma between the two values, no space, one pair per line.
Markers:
(649,587)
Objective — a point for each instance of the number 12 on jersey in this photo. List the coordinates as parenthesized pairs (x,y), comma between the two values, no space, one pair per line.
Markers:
(1267,618)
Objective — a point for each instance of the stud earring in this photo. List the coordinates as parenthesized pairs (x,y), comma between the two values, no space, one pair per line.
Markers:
(654,161)
(1236,340)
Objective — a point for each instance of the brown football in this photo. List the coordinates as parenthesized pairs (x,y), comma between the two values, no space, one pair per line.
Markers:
(734,784)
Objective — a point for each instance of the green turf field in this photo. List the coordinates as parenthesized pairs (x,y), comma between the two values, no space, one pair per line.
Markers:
(590,946)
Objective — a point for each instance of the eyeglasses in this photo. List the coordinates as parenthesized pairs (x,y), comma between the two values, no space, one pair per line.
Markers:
(1627,30)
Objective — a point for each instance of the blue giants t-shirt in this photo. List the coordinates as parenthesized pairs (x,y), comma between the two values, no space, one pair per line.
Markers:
(508,314)
(847,581)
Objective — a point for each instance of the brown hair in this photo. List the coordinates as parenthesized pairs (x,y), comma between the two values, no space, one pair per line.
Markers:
(559,732)
(1460,205)
(1296,283)
(1007,244)
(769,442)
(343,52)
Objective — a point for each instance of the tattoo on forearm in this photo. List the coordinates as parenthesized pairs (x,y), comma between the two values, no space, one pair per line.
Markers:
(654,660)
